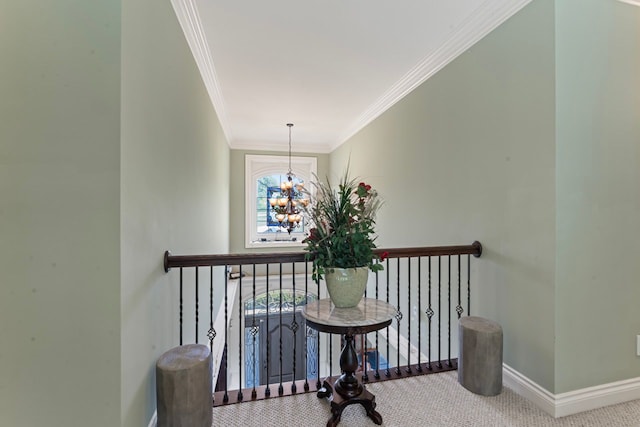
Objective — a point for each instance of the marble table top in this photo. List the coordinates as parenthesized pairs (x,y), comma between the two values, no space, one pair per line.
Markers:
(368,314)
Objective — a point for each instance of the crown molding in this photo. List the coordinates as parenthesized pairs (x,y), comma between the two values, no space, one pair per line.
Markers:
(485,19)
(281,147)
(187,13)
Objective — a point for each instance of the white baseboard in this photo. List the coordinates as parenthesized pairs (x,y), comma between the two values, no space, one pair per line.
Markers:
(528,389)
(572,402)
(154,419)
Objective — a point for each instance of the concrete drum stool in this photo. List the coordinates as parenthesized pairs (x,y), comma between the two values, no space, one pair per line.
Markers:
(183,387)
(480,361)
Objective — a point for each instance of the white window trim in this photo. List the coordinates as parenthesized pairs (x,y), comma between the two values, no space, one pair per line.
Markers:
(259,165)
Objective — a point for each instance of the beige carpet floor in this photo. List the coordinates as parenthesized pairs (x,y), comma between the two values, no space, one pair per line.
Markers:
(430,400)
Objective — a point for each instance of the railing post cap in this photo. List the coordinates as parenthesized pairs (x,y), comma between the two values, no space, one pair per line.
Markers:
(166,261)
(478,247)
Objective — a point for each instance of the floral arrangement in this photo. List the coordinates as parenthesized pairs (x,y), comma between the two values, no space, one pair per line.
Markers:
(343,221)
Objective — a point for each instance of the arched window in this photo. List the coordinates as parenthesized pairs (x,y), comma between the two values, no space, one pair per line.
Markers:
(263,175)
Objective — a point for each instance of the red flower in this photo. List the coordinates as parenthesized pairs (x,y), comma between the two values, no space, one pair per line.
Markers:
(313,235)
(363,190)
(384,255)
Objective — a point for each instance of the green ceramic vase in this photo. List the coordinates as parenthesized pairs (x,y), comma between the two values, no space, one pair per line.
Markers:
(346,285)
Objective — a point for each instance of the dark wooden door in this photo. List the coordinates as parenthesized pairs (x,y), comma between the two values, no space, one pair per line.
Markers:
(285,335)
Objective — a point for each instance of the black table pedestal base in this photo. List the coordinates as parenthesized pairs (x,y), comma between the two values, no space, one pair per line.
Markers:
(338,403)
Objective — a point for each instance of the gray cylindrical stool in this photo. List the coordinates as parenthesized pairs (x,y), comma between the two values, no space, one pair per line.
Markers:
(480,361)
(183,387)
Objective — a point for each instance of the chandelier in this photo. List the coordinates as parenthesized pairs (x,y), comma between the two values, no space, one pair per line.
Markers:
(286,204)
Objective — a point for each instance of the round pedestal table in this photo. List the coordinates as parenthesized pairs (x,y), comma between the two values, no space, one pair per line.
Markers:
(368,316)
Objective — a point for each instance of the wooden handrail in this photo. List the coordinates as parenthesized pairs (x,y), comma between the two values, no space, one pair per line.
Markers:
(474,249)
(171,261)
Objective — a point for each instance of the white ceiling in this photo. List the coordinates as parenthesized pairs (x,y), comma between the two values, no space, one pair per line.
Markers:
(330,67)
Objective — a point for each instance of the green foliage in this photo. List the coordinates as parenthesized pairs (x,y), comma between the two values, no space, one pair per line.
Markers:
(343,221)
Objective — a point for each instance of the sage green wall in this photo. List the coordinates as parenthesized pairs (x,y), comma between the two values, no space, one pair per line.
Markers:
(237,196)
(175,172)
(598,192)
(468,155)
(559,221)
(60,213)
(109,155)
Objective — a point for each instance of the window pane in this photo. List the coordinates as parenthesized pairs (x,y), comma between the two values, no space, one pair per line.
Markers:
(267,187)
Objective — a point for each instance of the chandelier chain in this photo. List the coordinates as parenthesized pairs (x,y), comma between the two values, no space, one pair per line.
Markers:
(290,126)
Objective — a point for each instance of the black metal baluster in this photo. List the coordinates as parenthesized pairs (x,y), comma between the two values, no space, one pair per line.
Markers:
(267,390)
(306,348)
(225,399)
(330,355)
(449,312)
(240,332)
(197,304)
(429,314)
(387,371)
(318,382)
(439,311)
(468,285)
(280,387)
(408,369)
(459,308)
(363,341)
(211,331)
(180,305)
(377,373)
(254,332)
(294,327)
(419,314)
(363,349)
(398,317)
